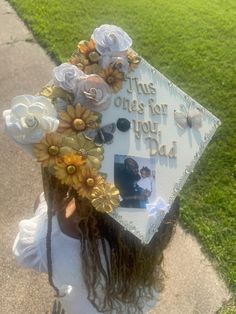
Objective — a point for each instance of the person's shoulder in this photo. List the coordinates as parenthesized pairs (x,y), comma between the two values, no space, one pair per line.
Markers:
(31,235)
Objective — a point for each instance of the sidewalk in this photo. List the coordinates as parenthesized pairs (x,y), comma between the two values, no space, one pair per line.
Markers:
(192,285)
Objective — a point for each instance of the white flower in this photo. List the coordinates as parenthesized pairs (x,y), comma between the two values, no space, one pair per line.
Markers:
(118,59)
(29,118)
(94,93)
(160,207)
(110,38)
(66,76)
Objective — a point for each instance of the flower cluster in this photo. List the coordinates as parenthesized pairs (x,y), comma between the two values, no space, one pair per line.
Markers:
(55,123)
(75,161)
(107,54)
(30,118)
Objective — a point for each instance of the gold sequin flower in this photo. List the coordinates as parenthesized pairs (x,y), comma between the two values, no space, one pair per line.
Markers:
(113,78)
(88,180)
(47,150)
(87,149)
(105,197)
(68,170)
(86,57)
(77,119)
(88,49)
(79,60)
(133,60)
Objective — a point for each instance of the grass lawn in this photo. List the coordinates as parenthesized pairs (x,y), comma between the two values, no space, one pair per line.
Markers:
(194,44)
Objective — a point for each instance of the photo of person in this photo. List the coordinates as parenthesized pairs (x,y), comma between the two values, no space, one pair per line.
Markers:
(134,177)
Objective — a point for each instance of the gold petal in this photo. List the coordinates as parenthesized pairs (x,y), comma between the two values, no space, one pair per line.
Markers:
(56,140)
(88,144)
(94,162)
(65,150)
(115,203)
(68,132)
(46,91)
(40,154)
(108,208)
(80,140)
(71,111)
(40,146)
(64,116)
(42,158)
(86,113)
(78,110)
(97,152)
(64,124)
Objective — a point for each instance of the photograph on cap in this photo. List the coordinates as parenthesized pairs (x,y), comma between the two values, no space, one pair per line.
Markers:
(135,179)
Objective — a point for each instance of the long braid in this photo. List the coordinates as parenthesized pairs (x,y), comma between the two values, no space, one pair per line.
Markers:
(49,247)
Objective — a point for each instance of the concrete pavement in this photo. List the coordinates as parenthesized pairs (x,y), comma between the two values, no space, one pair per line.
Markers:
(192,285)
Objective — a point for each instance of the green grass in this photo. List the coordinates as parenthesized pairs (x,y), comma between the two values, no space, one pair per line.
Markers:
(229,307)
(192,43)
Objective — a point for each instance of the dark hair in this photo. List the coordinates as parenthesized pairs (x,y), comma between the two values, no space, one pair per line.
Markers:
(117,268)
(145,169)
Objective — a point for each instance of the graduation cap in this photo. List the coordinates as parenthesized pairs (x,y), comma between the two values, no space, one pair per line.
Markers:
(116,130)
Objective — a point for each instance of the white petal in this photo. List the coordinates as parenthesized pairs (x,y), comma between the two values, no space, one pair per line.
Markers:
(54,125)
(43,100)
(49,124)
(23,99)
(13,129)
(50,109)
(19,110)
(34,137)
(37,109)
(6,113)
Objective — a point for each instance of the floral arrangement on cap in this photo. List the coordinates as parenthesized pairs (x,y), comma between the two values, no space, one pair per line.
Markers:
(53,125)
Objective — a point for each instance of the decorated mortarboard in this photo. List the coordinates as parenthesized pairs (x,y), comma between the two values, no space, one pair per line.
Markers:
(114,129)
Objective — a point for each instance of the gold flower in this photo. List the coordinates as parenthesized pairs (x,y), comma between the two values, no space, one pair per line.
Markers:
(86,148)
(88,180)
(133,60)
(79,60)
(92,69)
(77,119)
(47,150)
(105,197)
(86,57)
(88,49)
(113,78)
(54,93)
(68,170)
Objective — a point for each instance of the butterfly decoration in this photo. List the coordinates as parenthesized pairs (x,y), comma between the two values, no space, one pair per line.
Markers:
(103,135)
(191,118)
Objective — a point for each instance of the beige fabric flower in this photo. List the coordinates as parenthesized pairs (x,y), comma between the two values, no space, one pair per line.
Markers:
(48,150)
(77,119)
(88,180)
(94,93)
(113,78)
